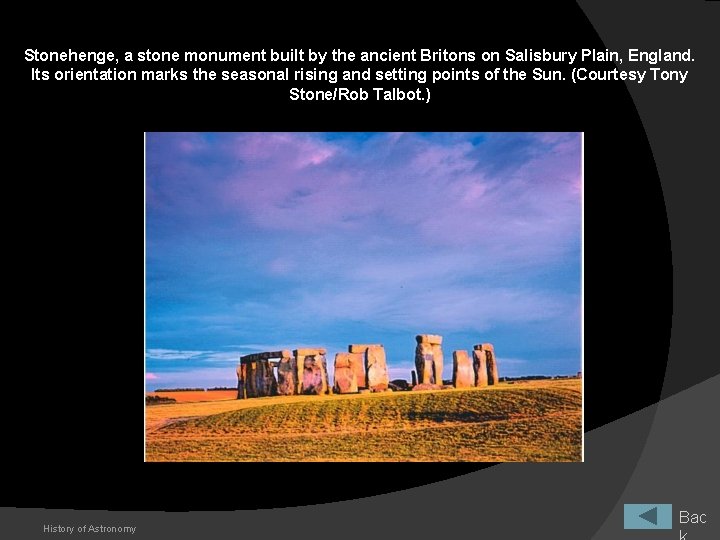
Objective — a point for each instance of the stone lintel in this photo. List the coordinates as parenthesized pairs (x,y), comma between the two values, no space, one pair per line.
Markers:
(433,339)
(264,356)
(361,348)
(309,352)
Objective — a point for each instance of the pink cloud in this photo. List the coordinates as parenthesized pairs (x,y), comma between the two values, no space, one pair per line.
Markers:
(285,150)
(151,377)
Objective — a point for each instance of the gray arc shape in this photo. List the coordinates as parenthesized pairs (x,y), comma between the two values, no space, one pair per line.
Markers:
(506,501)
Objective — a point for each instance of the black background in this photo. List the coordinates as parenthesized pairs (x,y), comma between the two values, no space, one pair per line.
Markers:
(80,163)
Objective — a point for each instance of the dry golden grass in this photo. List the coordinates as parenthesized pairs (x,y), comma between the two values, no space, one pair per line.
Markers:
(210,395)
(525,421)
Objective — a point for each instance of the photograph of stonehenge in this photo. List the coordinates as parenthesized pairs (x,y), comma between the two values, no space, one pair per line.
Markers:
(362,369)
(364,296)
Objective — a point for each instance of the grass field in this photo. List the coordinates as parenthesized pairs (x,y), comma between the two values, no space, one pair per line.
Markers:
(528,421)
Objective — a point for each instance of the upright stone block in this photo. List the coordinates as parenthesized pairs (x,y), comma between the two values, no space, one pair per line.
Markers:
(314,380)
(463,374)
(480,367)
(260,380)
(413,376)
(287,376)
(490,362)
(241,375)
(376,368)
(269,379)
(357,356)
(256,377)
(250,379)
(300,355)
(424,363)
(492,367)
(345,378)
(437,362)
(357,364)
(326,379)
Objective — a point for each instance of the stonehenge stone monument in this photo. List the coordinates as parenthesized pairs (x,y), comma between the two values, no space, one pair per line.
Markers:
(287,374)
(256,377)
(357,352)
(345,374)
(480,367)
(429,358)
(437,362)
(312,371)
(241,374)
(424,363)
(492,369)
(375,374)
(362,369)
(463,374)
(490,362)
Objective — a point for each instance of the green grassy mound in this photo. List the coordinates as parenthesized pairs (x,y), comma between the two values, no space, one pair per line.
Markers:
(508,424)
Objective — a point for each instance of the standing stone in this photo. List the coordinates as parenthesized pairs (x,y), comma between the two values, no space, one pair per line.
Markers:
(492,368)
(267,384)
(480,367)
(490,360)
(258,377)
(300,355)
(357,364)
(463,375)
(300,366)
(429,358)
(437,361)
(414,377)
(376,368)
(287,376)
(424,363)
(357,355)
(345,378)
(326,380)
(250,379)
(241,369)
(314,380)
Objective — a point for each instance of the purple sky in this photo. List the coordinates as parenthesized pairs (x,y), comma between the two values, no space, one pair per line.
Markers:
(265,241)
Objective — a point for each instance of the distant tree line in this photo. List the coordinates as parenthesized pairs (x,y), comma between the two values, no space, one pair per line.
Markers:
(158,400)
(538,377)
(180,390)
(213,389)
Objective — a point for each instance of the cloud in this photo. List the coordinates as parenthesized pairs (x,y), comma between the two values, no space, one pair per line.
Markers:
(150,376)
(168,354)
(164,355)
(269,240)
